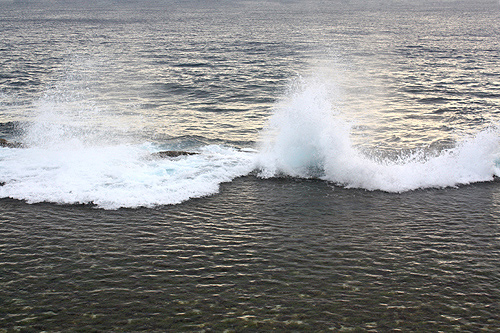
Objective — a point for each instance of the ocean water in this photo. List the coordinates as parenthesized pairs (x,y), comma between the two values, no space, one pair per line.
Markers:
(344,175)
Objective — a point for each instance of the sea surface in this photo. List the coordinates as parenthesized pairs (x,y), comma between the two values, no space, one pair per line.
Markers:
(344,175)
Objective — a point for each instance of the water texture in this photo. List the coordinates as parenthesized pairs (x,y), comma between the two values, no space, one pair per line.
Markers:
(285,256)
(344,175)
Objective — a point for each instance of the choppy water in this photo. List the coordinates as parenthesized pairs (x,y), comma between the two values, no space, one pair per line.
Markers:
(345,176)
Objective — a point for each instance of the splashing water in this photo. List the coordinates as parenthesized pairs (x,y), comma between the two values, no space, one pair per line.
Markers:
(78,153)
(73,157)
(301,132)
(116,176)
(307,137)
(72,110)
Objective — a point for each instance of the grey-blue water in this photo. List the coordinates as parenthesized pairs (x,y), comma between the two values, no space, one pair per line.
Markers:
(345,176)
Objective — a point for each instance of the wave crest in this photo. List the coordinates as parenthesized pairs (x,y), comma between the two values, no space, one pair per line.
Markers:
(308,137)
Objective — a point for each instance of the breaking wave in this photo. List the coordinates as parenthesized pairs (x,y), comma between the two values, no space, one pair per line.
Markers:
(72,156)
(307,136)
(75,152)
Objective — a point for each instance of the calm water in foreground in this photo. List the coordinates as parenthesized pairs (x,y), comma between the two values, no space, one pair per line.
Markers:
(260,255)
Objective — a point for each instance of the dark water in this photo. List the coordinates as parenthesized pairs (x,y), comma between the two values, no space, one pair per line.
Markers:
(285,255)
(345,176)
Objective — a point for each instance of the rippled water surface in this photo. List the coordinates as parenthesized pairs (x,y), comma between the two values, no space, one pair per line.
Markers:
(261,255)
(344,173)
(407,76)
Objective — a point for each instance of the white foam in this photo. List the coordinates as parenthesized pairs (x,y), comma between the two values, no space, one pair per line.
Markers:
(78,153)
(116,176)
(307,137)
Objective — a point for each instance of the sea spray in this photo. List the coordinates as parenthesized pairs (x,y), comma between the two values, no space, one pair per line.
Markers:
(71,157)
(472,160)
(78,152)
(307,136)
(303,132)
(75,107)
